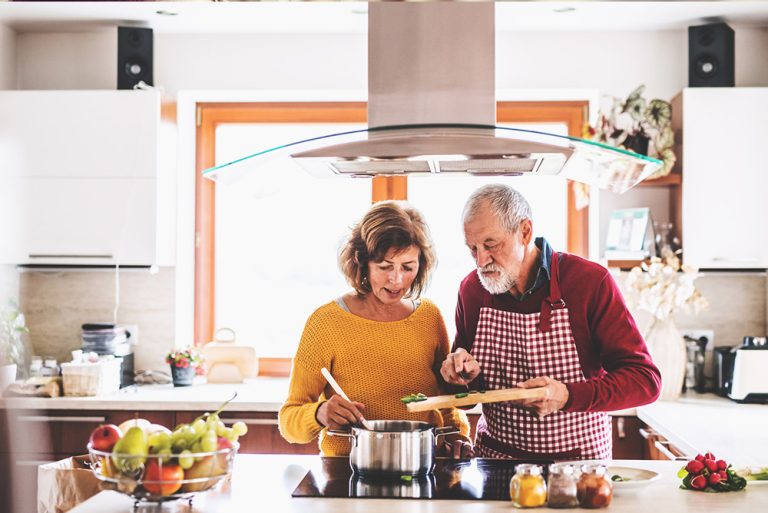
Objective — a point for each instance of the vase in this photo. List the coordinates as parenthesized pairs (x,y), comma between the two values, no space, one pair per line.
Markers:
(7,376)
(182,376)
(667,348)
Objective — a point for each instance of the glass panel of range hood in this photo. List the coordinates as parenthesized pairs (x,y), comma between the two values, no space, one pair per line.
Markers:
(448,149)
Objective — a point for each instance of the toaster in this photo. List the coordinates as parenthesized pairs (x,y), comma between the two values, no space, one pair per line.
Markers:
(750,362)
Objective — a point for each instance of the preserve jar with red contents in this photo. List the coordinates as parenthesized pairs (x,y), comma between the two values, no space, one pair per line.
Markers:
(593,489)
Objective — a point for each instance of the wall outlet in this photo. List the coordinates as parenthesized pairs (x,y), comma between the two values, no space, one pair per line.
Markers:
(708,334)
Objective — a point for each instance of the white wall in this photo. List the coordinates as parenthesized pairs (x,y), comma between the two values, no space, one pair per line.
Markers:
(7,58)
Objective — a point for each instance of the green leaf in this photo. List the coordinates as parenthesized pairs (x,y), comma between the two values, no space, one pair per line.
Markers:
(682,473)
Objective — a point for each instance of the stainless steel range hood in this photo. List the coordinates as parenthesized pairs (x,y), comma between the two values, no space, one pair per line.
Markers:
(431,111)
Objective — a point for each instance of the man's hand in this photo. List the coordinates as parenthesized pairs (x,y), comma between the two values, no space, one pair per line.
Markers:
(557,396)
(456,449)
(459,368)
(338,413)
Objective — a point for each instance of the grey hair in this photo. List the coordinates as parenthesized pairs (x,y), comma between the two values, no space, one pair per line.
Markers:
(506,203)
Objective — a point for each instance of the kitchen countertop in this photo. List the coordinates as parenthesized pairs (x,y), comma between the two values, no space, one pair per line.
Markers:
(256,395)
(697,423)
(268,480)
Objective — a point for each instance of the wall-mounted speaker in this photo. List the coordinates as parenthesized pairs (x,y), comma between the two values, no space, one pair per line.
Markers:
(134,56)
(711,56)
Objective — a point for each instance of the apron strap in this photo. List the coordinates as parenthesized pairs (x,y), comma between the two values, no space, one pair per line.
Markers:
(554,301)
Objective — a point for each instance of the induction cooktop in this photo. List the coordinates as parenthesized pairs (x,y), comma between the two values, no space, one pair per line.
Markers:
(475,479)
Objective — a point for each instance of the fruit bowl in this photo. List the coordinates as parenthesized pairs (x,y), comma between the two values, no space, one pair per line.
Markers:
(163,477)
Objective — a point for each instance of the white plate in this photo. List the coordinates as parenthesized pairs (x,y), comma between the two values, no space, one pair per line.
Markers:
(639,479)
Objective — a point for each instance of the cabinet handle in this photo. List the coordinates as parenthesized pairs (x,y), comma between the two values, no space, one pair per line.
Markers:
(648,433)
(61,255)
(252,422)
(740,260)
(666,452)
(45,418)
(620,427)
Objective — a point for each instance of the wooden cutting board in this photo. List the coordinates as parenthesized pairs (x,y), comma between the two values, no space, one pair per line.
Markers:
(489,396)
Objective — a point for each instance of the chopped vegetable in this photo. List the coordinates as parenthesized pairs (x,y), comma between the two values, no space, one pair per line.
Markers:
(620,479)
(406,478)
(413,398)
(461,394)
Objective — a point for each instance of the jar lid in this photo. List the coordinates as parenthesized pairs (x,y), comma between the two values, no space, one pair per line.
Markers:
(561,468)
(593,468)
(528,469)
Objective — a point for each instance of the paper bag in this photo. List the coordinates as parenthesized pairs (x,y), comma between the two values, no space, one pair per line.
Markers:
(64,484)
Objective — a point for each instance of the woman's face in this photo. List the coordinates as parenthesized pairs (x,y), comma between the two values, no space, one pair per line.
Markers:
(392,278)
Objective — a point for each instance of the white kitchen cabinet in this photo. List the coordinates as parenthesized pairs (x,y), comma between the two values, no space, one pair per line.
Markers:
(725,180)
(79,177)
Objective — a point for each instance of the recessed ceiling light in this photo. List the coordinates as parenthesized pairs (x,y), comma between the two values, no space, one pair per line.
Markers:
(563,9)
(163,12)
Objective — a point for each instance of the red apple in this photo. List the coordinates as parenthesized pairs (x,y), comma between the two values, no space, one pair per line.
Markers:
(162,480)
(223,443)
(104,437)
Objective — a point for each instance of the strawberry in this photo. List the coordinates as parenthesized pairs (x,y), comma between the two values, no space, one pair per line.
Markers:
(721,465)
(714,479)
(694,466)
(700,458)
(709,456)
(711,464)
(699,482)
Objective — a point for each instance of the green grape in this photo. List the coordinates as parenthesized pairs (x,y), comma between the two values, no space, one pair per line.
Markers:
(229,434)
(179,445)
(209,443)
(165,454)
(158,441)
(186,461)
(239,428)
(199,426)
(196,448)
(220,428)
(213,417)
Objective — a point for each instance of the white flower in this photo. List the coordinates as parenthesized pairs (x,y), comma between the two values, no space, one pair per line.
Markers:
(662,287)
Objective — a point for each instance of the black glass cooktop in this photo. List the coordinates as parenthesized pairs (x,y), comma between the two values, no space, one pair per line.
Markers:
(479,478)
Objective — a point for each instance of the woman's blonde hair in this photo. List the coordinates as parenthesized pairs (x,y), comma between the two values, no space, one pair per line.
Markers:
(387,225)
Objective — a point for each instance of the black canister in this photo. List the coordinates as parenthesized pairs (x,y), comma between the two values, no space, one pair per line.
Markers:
(724,358)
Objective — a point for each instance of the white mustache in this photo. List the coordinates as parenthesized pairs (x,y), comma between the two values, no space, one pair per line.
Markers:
(490,268)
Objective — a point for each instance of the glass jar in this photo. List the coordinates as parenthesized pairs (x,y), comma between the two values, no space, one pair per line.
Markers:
(561,486)
(593,489)
(527,488)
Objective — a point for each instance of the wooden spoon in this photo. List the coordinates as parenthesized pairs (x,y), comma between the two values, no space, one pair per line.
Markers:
(337,388)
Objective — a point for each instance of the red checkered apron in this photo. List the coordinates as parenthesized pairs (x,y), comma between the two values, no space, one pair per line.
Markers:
(513,347)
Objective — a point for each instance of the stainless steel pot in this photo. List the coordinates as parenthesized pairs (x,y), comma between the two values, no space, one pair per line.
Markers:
(394,447)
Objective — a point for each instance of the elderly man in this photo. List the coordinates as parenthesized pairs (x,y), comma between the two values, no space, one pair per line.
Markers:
(532,317)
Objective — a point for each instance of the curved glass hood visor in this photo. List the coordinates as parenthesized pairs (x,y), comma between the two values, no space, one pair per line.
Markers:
(449,149)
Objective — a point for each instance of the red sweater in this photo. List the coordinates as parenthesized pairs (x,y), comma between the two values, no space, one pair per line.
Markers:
(619,371)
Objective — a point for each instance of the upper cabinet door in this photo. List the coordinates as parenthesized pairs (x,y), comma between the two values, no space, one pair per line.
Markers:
(93,134)
(725,177)
(79,177)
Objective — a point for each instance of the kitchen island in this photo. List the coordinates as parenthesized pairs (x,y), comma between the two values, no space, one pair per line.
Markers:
(265,483)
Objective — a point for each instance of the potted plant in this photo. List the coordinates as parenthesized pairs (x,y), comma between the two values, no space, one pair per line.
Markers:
(185,363)
(12,350)
(641,126)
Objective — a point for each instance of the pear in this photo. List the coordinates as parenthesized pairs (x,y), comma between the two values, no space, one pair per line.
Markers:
(130,452)
(208,467)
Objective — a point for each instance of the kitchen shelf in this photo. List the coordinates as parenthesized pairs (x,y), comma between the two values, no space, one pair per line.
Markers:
(672,179)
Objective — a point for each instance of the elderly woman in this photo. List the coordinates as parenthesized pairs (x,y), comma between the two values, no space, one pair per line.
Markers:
(380,341)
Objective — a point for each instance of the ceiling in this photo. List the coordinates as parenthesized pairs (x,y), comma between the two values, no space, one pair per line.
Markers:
(350,17)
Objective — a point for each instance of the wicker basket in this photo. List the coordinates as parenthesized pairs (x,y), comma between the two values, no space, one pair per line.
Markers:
(89,379)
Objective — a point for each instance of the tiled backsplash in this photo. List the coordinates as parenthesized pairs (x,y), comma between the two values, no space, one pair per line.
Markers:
(57,302)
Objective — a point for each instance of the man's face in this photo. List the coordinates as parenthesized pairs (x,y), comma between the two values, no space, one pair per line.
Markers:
(498,254)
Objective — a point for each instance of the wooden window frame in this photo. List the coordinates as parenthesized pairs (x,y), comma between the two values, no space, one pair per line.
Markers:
(209,115)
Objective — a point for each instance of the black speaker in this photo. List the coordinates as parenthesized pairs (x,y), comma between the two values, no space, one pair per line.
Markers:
(710,56)
(134,56)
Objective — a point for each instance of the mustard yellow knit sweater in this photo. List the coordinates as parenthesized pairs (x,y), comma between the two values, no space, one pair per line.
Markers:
(375,363)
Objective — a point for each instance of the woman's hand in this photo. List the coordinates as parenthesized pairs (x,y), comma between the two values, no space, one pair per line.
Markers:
(459,368)
(457,449)
(337,413)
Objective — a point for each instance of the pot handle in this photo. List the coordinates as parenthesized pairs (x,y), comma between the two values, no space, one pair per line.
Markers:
(446,430)
(333,432)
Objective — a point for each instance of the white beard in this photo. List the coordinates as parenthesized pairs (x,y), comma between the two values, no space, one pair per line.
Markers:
(498,285)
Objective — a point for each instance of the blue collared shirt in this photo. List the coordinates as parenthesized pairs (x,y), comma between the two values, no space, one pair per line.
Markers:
(545,267)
